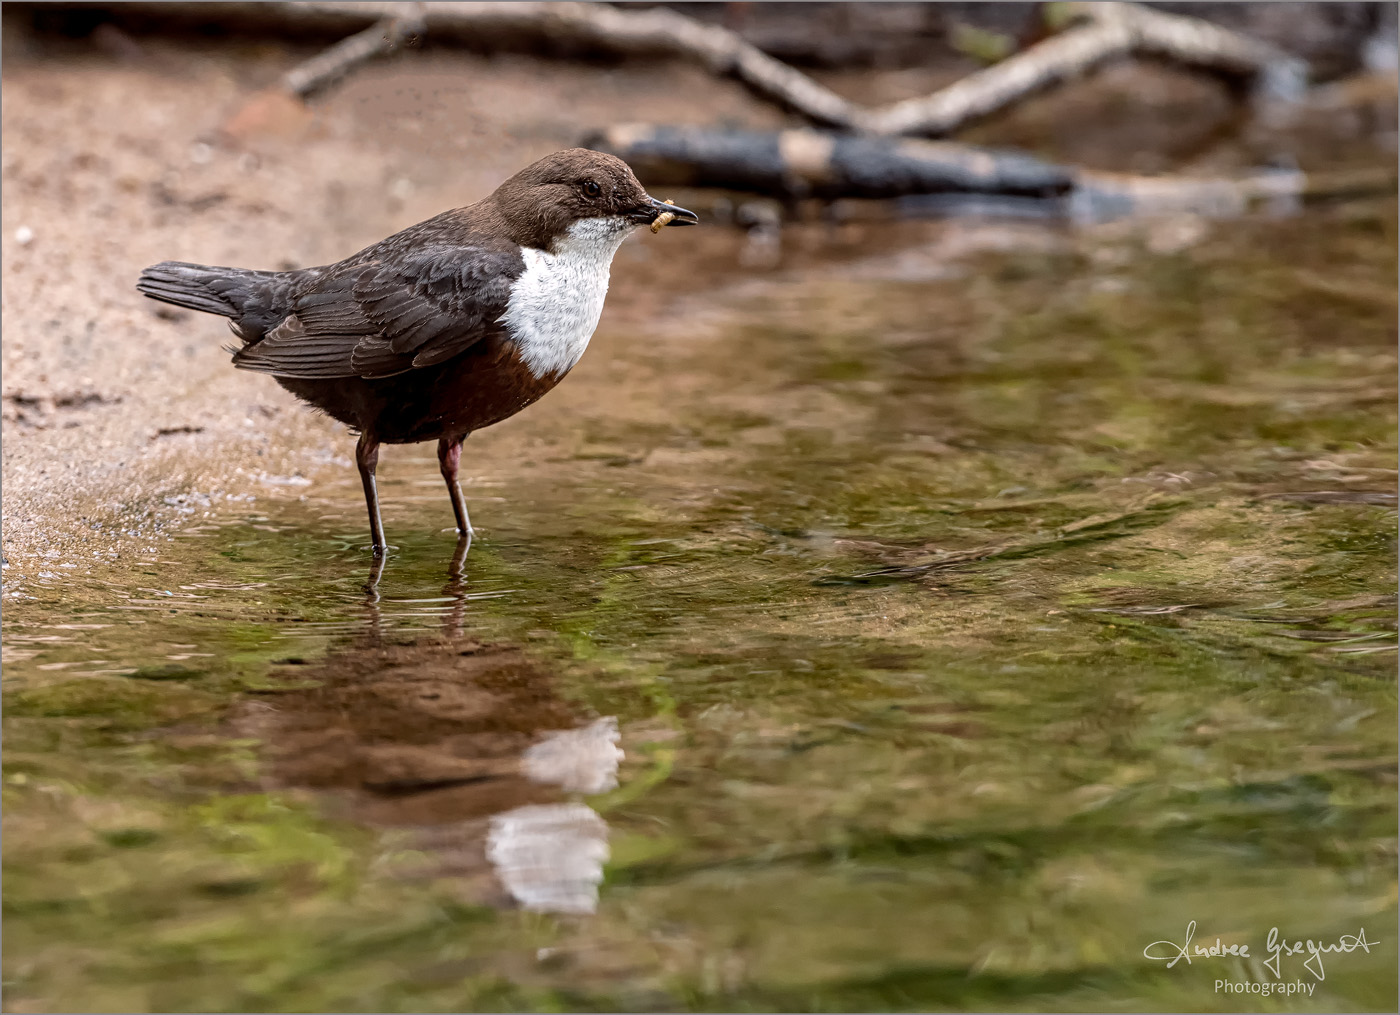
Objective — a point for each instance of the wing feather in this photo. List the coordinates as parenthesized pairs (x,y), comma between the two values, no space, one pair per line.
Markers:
(377,320)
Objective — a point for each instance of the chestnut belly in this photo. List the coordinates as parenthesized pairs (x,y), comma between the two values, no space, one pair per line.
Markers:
(483,385)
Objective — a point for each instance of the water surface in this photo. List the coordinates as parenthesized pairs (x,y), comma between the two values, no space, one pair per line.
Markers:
(969,622)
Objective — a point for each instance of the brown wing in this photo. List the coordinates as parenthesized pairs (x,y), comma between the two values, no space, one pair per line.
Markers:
(380,319)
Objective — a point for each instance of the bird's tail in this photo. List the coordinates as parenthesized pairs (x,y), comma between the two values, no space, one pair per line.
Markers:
(222,291)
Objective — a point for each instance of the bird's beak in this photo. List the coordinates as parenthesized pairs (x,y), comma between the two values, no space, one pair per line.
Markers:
(654,209)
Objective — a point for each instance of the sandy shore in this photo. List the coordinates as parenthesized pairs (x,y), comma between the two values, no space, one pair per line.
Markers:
(122,417)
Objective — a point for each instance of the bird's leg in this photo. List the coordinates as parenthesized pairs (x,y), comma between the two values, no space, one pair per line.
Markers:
(367,459)
(449,457)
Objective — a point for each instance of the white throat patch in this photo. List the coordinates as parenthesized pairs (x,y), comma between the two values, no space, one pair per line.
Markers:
(555,304)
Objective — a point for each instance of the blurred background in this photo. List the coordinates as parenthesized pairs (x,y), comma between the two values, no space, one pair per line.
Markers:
(966,560)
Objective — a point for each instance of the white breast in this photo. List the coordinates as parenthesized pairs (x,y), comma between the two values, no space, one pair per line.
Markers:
(554,306)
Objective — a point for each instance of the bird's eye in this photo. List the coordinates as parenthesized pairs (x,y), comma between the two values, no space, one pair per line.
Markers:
(591,189)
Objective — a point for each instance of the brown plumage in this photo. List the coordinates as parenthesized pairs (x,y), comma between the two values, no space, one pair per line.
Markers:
(412,339)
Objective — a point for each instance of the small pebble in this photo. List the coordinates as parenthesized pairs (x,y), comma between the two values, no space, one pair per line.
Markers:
(24,236)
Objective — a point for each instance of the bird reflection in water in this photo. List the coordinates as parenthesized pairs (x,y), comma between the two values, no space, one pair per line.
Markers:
(455,590)
(456,587)
(463,750)
(550,857)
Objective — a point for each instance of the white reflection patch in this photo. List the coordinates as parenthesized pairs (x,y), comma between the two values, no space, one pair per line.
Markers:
(550,856)
(577,761)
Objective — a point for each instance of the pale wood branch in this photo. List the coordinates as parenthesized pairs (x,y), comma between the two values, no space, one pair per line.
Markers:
(1191,41)
(382,37)
(655,32)
(1106,30)
(1061,57)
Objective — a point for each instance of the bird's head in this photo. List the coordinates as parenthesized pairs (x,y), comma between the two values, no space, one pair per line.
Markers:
(579,195)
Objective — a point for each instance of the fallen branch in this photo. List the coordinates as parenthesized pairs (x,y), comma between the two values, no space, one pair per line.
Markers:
(405,24)
(1274,74)
(655,32)
(652,32)
(1106,31)
(1110,30)
(810,163)
(1061,57)
(828,165)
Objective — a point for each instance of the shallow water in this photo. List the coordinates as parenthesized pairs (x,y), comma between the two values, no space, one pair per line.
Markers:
(970,621)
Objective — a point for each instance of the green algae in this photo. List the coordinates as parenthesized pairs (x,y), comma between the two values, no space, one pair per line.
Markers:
(966,637)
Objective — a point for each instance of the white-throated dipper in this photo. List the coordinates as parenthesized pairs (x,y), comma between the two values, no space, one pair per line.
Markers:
(446,327)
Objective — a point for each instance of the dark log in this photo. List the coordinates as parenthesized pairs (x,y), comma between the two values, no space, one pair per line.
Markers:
(937,178)
(809,163)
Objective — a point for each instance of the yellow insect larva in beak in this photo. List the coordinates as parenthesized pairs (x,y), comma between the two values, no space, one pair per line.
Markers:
(664,219)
